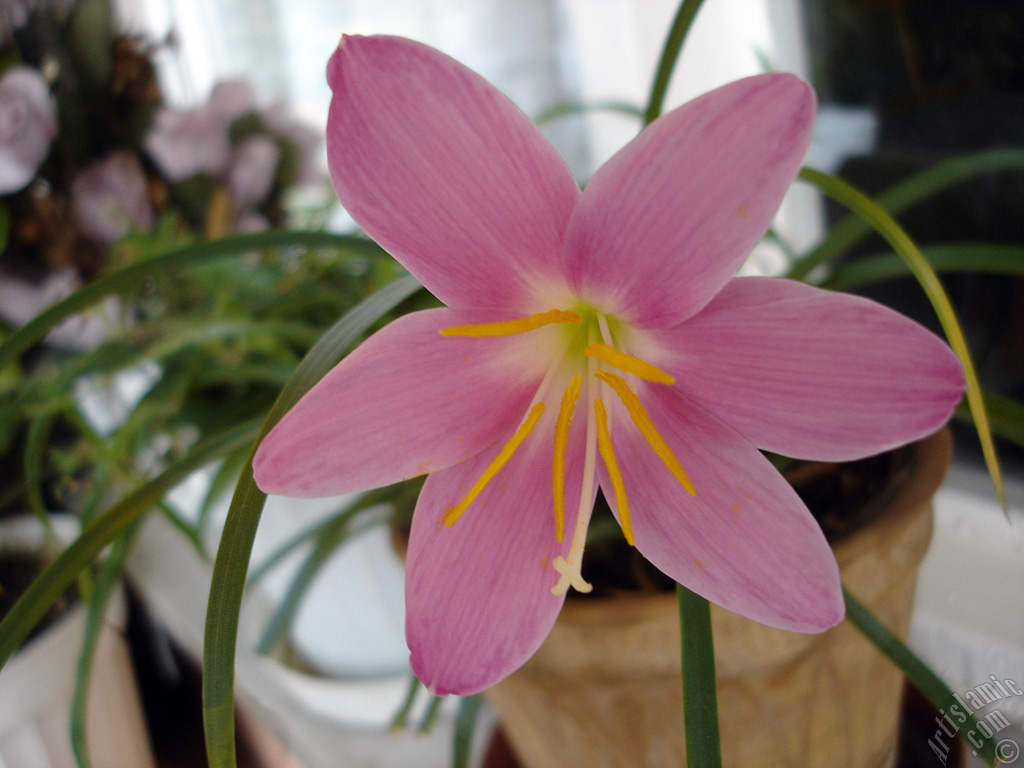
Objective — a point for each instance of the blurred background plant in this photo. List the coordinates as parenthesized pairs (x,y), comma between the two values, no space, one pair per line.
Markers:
(96,174)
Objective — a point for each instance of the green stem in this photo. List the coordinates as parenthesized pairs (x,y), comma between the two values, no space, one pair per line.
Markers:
(669,55)
(700,696)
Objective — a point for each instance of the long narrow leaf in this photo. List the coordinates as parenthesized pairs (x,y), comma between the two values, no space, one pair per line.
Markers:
(232,563)
(189,256)
(953,257)
(50,585)
(575,108)
(109,576)
(880,221)
(33,461)
(669,55)
(903,196)
(401,718)
(465,727)
(927,682)
(370,499)
(700,692)
(329,540)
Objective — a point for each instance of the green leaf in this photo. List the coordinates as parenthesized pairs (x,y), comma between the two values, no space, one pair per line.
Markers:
(700,692)
(189,256)
(224,479)
(877,219)
(401,718)
(465,727)
(343,517)
(950,257)
(669,55)
(575,108)
(329,538)
(33,460)
(106,582)
(232,563)
(903,196)
(430,716)
(50,585)
(927,682)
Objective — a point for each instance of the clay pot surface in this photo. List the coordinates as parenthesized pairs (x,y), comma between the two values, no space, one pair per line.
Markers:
(604,689)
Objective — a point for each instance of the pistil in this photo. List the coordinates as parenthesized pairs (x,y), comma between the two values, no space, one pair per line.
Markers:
(570,567)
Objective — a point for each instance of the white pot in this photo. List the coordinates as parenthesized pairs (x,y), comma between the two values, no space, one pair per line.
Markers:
(37,685)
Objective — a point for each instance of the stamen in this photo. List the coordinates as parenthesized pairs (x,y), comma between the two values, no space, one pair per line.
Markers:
(628,363)
(604,444)
(496,464)
(511,327)
(572,393)
(643,423)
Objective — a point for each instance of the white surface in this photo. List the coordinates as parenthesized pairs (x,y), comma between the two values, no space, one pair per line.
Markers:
(38,683)
(969,613)
(325,722)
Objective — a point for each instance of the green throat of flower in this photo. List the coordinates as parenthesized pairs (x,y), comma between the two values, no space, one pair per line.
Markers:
(591,342)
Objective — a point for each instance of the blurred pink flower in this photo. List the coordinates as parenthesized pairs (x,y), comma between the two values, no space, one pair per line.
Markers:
(28,125)
(185,143)
(21,301)
(620,300)
(14,14)
(110,198)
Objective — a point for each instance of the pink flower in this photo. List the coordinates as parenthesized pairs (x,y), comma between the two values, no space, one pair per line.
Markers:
(109,198)
(28,125)
(183,144)
(593,339)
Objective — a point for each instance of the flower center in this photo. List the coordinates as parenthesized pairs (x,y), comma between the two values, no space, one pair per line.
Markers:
(594,346)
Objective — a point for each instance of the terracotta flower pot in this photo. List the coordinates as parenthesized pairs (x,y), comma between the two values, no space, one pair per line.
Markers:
(604,689)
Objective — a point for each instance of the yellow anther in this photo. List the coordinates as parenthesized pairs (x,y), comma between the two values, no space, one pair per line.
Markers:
(604,445)
(643,423)
(511,327)
(628,363)
(496,464)
(572,393)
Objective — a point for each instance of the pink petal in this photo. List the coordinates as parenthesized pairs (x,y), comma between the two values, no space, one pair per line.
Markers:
(445,173)
(478,593)
(665,222)
(408,401)
(813,374)
(745,541)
